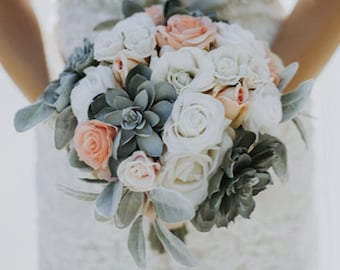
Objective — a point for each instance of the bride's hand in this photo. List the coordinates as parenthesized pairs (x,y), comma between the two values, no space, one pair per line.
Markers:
(21,48)
(309,35)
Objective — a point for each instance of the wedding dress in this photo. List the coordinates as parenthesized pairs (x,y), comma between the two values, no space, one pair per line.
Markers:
(279,235)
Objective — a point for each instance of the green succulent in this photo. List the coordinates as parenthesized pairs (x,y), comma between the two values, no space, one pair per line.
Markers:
(243,175)
(140,112)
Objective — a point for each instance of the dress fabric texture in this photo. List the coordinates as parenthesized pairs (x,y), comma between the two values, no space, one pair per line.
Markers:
(279,235)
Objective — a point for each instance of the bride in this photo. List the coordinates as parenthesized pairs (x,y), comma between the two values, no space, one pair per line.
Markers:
(280,232)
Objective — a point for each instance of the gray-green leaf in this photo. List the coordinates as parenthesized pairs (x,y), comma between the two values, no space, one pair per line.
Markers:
(79,195)
(131,7)
(171,206)
(136,243)
(128,208)
(174,246)
(108,201)
(287,75)
(293,102)
(64,129)
(106,25)
(32,115)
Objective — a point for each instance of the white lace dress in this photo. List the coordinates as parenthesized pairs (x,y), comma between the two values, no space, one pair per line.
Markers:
(279,236)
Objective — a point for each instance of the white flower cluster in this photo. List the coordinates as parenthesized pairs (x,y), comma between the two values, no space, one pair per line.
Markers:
(224,80)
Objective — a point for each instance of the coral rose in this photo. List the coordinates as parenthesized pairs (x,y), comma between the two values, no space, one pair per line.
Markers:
(93,142)
(187,31)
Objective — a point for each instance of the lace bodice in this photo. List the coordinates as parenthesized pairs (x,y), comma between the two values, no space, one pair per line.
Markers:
(278,236)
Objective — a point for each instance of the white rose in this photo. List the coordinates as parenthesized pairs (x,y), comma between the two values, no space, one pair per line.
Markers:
(136,33)
(265,109)
(97,81)
(231,64)
(217,153)
(234,35)
(188,69)
(196,123)
(138,172)
(107,45)
(258,73)
(188,174)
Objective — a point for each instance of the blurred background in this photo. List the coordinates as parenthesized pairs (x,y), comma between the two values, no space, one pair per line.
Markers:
(18,216)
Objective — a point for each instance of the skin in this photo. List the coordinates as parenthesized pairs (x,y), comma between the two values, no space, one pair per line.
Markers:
(21,47)
(310,35)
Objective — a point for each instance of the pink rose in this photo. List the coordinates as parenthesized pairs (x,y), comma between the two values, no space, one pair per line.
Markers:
(156,13)
(138,172)
(93,142)
(235,102)
(187,31)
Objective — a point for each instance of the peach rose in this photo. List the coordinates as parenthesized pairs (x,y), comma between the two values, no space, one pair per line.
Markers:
(235,102)
(156,13)
(93,142)
(187,31)
(123,62)
(138,172)
(274,66)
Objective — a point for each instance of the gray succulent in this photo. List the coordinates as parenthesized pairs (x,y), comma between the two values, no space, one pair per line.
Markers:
(140,112)
(56,96)
(243,175)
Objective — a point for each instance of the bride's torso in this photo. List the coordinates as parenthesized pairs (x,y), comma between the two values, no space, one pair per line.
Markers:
(277,236)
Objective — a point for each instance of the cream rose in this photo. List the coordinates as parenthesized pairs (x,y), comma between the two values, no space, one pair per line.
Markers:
(97,81)
(136,33)
(187,31)
(123,62)
(188,69)
(188,174)
(231,64)
(235,102)
(264,110)
(138,172)
(197,122)
(93,142)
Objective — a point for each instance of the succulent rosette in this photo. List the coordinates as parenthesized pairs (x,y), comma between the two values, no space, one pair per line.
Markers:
(170,110)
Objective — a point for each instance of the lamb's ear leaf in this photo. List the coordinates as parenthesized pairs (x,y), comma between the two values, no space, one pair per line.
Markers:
(108,200)
(173,245)
(32,115)
(128,208)
(64,128)
(287,75)
(171,206)
(79,195)
(106,25)
(293,102)
(136,243)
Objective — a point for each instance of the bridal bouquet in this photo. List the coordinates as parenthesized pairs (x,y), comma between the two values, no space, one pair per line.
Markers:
(171,111)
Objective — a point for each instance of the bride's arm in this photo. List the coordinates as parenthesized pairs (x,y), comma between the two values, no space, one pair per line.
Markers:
(21,49)
(310,35)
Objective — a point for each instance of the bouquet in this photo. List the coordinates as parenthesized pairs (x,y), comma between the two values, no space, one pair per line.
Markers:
(172,112)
